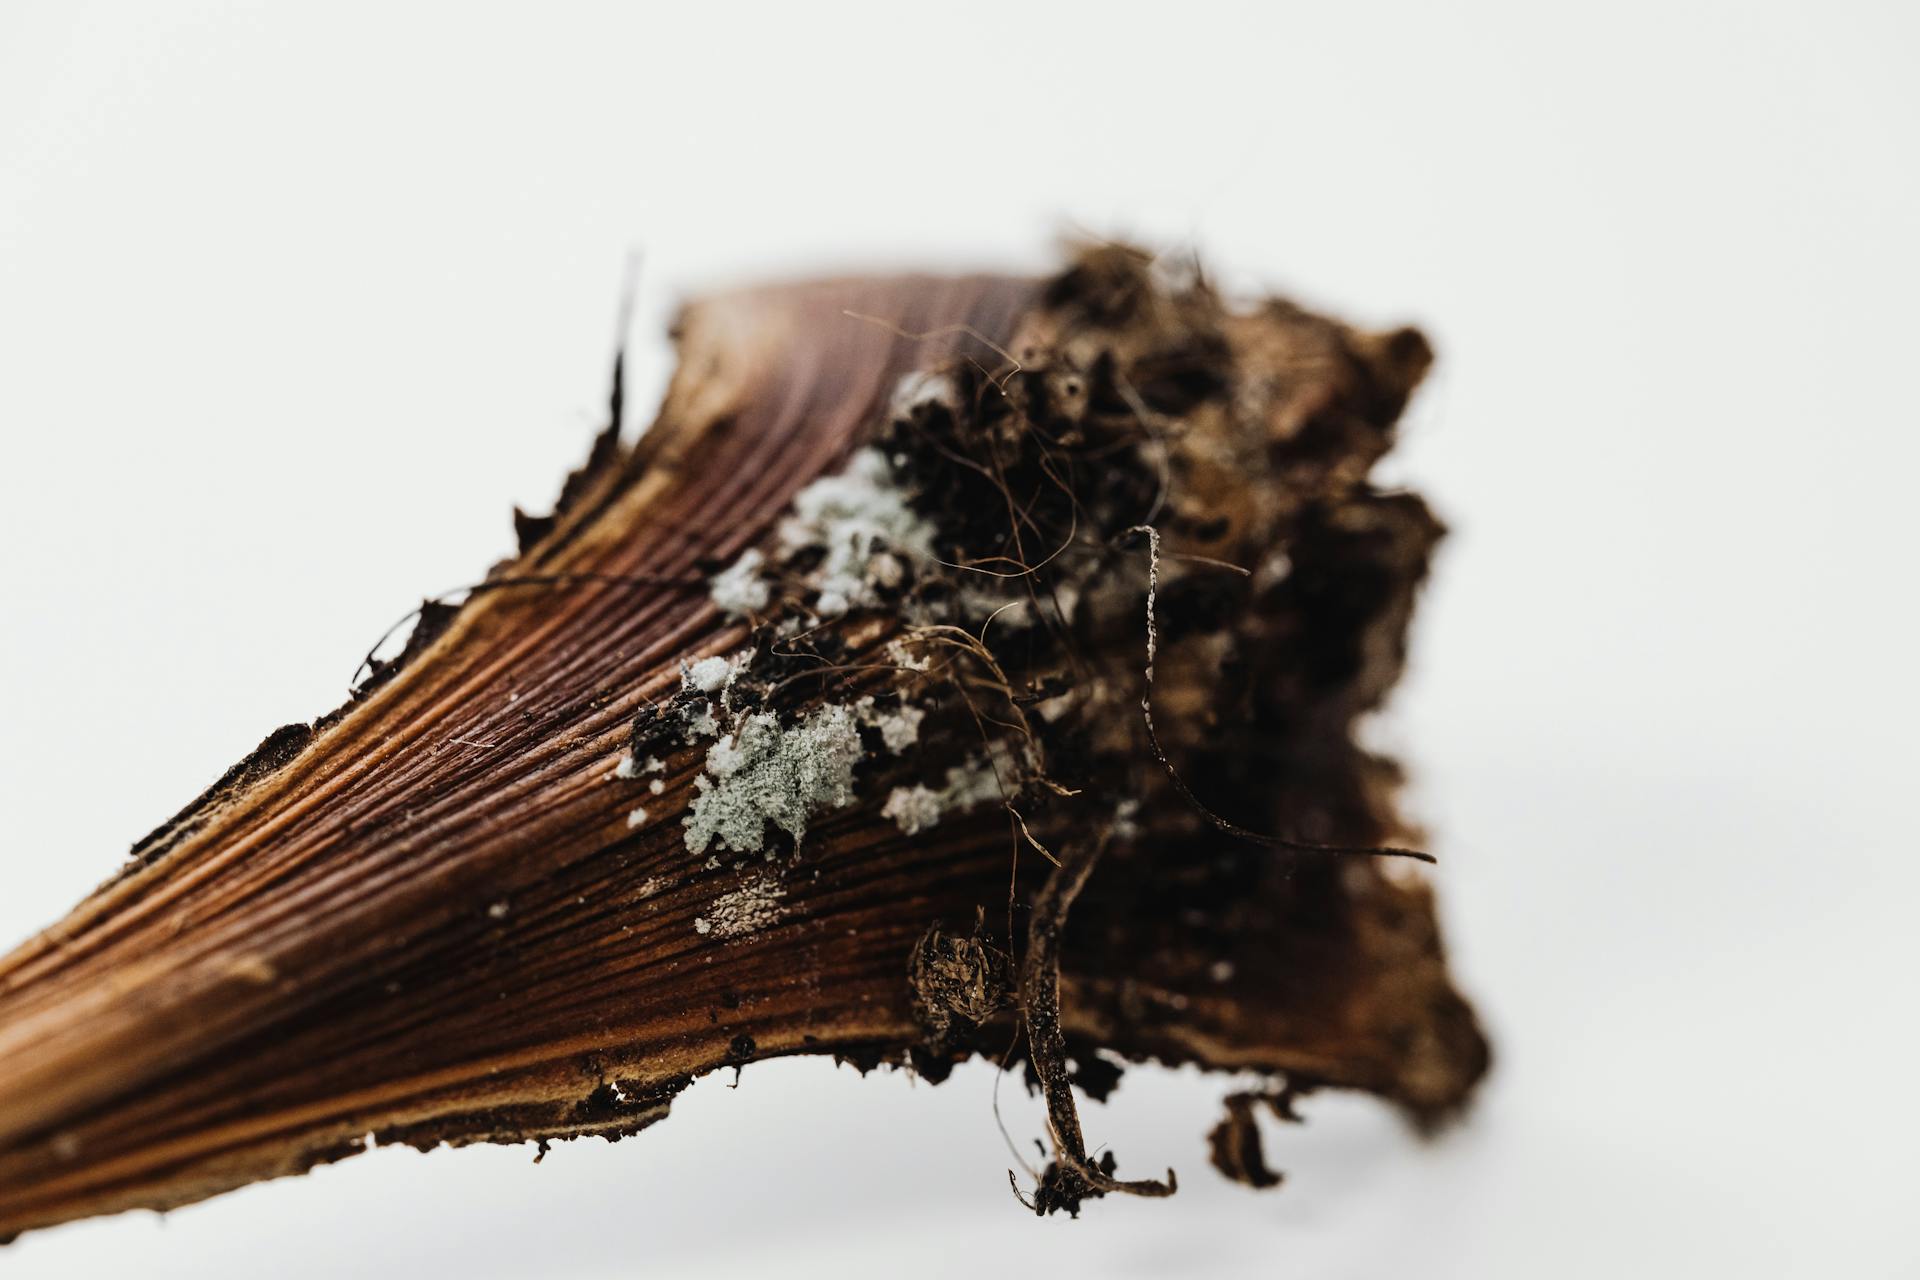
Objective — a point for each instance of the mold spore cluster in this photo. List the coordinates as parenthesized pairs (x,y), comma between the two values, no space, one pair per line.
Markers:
(988,547)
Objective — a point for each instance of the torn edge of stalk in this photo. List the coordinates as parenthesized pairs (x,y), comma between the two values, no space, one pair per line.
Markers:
(1040,969)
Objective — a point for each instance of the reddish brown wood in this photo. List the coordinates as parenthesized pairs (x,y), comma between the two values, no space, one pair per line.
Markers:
(426,917)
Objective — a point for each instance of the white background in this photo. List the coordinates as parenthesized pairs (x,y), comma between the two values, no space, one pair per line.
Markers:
(295,301)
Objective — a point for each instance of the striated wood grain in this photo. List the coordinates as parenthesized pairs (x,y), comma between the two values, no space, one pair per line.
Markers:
(429,916)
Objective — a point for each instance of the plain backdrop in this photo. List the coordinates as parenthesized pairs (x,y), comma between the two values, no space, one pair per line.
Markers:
(297,300)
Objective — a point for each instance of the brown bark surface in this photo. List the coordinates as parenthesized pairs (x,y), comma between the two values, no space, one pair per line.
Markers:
(429,917)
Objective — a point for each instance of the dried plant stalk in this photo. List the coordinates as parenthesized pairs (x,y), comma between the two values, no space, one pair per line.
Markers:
(769,742)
